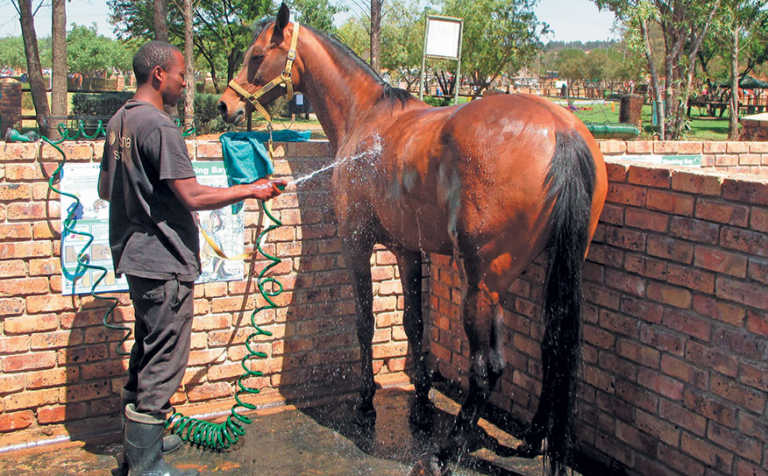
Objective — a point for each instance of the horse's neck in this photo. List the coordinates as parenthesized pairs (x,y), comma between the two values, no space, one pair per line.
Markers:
(339,90)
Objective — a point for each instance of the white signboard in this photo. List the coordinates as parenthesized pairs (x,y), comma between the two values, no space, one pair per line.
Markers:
(224,227)
(443,37)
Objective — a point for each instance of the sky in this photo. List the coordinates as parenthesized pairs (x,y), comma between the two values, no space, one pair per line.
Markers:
(570,20)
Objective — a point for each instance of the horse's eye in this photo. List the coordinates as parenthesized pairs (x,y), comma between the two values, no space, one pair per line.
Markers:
(257,59)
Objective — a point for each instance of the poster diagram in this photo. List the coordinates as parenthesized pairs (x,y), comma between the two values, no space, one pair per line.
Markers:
(222,226)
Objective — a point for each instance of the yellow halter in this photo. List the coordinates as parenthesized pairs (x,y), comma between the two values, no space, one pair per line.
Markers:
(285,80)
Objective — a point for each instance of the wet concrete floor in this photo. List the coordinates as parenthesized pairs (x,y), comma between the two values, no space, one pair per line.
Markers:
(320,440)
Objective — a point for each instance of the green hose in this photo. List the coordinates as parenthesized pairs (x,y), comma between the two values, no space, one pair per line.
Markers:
(215,436)
(221,436)
(83,264)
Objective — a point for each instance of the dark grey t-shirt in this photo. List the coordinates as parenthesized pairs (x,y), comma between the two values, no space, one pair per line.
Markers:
(151,233)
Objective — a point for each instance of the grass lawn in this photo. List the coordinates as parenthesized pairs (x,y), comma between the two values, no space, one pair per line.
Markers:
(701,127)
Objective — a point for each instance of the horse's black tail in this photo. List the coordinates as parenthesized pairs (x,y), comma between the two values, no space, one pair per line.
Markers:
(571,181)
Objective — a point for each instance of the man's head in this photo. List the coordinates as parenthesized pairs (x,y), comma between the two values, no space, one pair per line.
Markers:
(161,65)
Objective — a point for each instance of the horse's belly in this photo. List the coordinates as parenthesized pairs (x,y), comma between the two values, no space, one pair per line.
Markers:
(417,226)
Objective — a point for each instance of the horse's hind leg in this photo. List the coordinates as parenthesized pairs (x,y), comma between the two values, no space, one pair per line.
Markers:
(480,310)
(357,254)
(409,263)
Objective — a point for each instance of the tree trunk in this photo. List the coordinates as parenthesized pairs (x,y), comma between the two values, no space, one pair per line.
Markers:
(160,19)
(375,33)
(189,67)
(59,101)
(660,117)
(234,60)
(34,69)
(733,127)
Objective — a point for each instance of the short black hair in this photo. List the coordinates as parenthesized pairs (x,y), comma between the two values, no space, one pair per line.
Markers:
(154,53)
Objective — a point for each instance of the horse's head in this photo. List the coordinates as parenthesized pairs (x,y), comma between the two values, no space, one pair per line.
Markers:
(267,72)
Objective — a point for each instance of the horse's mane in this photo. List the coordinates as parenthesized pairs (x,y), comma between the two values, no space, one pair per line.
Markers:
(389,92)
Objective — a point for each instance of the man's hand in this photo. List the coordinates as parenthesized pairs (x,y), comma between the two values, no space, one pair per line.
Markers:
(264,189)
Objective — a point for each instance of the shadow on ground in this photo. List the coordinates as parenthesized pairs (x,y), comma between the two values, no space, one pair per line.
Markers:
(320,440)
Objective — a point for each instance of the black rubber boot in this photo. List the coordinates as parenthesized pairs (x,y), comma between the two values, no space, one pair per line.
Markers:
(171,443)
(143,442)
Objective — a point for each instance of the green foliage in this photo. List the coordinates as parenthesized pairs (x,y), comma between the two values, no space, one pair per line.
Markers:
(89,53)
(102,105)
(355,33)
(12,52)
(316,13)
(402,34)
(222,29)
(570,64)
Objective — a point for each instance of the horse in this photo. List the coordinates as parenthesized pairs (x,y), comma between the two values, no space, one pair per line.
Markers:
(493,183)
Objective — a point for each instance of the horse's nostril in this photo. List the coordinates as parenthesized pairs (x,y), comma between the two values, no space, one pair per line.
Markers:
(222,107)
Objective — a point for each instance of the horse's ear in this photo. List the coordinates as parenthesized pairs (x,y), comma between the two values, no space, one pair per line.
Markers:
(283,16)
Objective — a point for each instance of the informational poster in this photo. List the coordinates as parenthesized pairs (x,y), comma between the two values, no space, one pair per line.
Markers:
(91,219)
(223,227)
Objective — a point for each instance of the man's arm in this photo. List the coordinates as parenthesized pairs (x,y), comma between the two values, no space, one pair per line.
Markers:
(195,196)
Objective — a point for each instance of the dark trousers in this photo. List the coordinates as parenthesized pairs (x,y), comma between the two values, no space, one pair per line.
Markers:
(162,331)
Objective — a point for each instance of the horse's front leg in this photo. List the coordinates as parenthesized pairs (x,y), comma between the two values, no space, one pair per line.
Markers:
(358,259)
(409,263)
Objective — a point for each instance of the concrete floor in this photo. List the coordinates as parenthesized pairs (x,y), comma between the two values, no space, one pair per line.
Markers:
(318,440)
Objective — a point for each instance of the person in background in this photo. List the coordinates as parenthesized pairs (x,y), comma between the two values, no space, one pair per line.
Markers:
(147,177)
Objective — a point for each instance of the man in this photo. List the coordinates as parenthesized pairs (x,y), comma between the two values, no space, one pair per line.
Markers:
(147,176)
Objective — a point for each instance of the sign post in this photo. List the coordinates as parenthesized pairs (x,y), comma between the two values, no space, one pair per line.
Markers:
(442,40)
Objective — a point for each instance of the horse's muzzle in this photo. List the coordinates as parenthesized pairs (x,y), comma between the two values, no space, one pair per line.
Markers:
(234,118)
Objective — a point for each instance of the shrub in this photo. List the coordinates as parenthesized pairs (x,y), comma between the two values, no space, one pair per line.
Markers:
(102,105)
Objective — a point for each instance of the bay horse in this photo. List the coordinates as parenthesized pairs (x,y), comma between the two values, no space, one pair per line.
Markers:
(492,183)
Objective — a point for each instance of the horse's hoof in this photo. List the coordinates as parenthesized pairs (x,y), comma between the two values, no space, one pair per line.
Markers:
(429,465)
(531,442)
(528,449)
(365,415)
(422,415)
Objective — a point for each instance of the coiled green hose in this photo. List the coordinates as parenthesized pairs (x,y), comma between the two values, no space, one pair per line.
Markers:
(215,436)
(83,260)
(221,436)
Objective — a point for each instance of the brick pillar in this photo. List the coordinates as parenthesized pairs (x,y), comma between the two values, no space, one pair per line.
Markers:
(10,104)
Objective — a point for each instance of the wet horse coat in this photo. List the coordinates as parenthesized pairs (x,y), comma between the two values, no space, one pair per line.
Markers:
(493,183)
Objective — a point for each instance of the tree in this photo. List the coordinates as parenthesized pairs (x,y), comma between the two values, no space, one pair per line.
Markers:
(570,66)
(59,101)
(402,34)
(684,25)
(221,28)
(91,53)
(498,34)
(12,52)
(316,13)
(160,19)
(739,35)
(34,68)
(354,33)
(189,68)
(375,33)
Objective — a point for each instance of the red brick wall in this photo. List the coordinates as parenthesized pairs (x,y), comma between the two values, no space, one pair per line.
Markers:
(59,370)
(674,378)
(731,157)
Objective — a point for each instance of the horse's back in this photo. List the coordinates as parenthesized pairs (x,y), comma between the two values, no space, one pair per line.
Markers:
(475,172)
